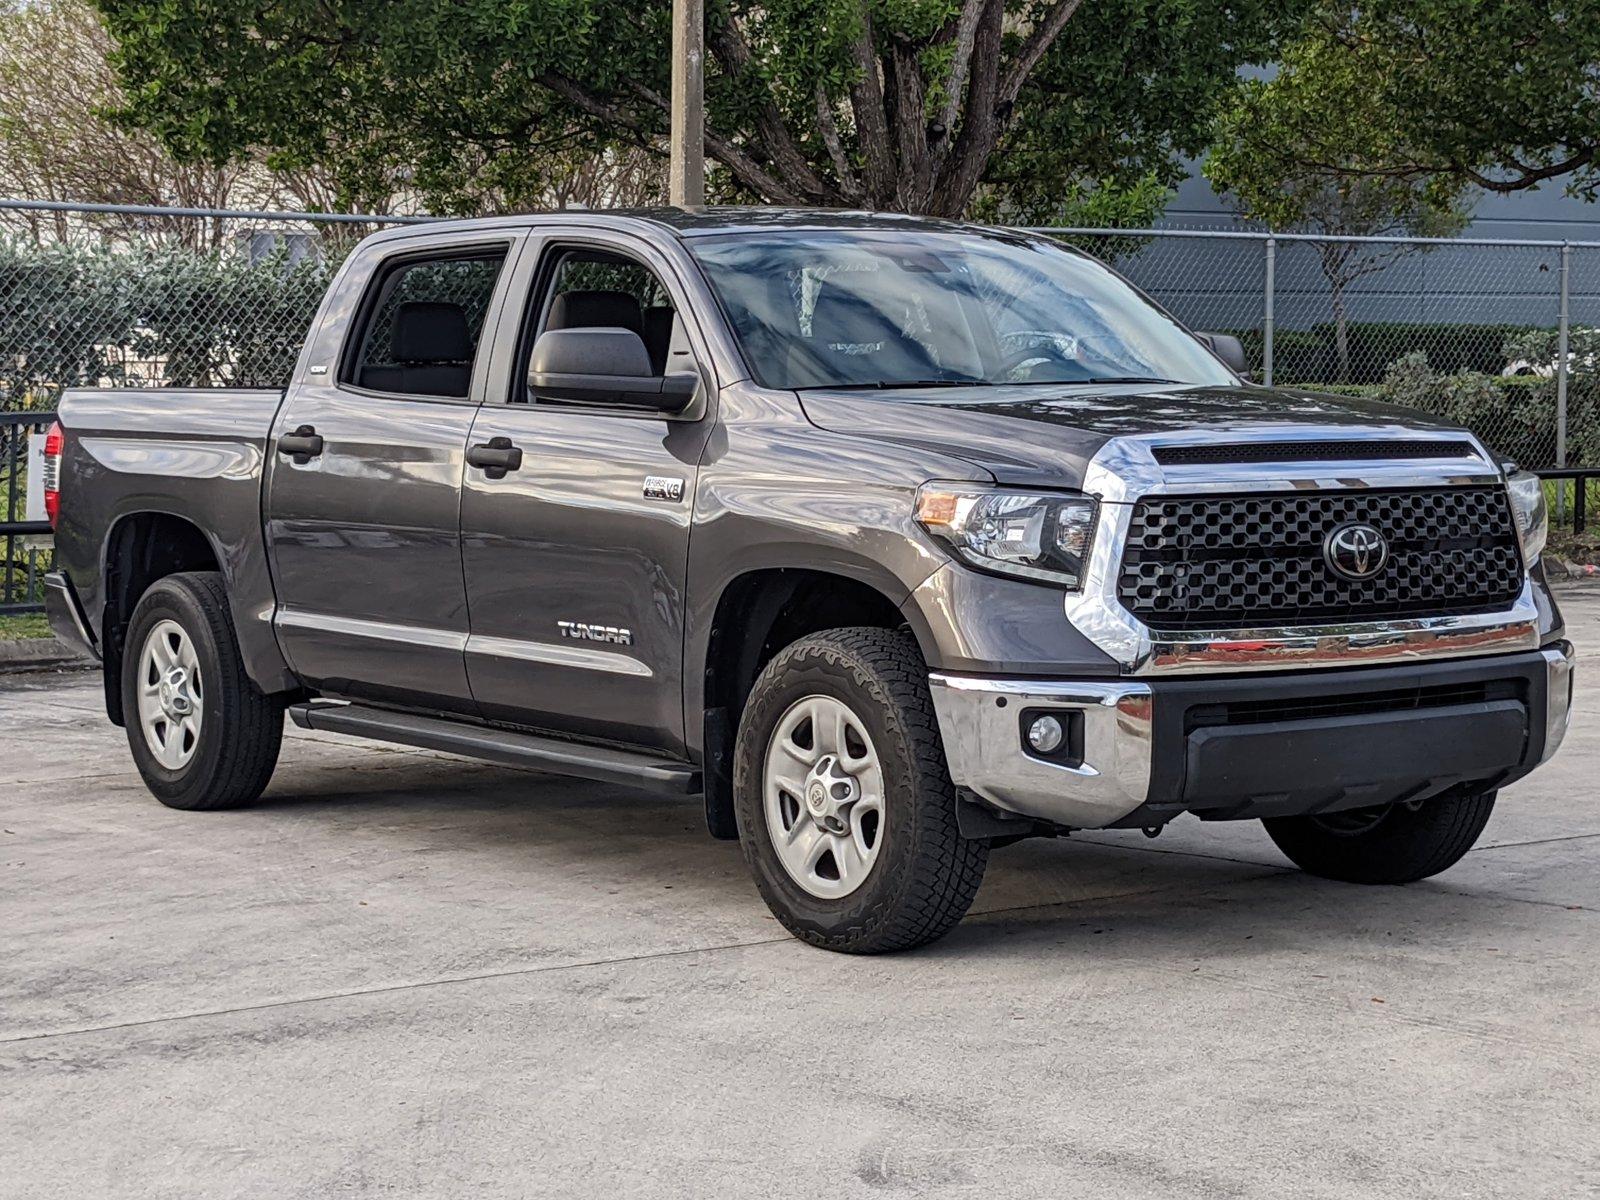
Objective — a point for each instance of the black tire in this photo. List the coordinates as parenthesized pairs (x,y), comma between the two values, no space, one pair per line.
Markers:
(240,729)
(926,874)
(1397,843)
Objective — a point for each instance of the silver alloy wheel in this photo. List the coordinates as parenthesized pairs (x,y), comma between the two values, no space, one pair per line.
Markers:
(822,792)
(170,701)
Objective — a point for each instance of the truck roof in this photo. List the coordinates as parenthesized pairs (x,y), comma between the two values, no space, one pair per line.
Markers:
(697,222)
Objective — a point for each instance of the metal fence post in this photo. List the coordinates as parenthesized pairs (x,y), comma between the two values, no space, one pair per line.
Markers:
(1561,355)
(1267,312)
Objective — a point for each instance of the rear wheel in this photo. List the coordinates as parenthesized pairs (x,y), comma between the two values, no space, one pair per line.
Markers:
(202,735)
(846,812)
(1389,843)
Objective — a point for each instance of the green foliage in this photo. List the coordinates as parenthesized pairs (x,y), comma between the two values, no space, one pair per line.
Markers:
(27,625)
(1310,355)
(1516,416)
(74,315)
(1494,93)
(1298,153)
(1322,105)
(481,103)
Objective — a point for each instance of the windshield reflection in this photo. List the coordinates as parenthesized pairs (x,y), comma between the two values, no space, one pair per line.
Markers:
(874,309)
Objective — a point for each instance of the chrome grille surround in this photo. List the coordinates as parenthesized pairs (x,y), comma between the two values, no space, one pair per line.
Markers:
(1125,471)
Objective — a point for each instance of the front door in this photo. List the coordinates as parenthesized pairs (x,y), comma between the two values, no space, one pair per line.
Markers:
(575,561)
(364,492)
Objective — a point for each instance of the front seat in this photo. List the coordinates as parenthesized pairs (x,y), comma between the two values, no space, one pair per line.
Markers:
(430,348)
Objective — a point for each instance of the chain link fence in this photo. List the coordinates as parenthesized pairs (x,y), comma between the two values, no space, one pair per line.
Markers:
(1467,329)
(1503,337)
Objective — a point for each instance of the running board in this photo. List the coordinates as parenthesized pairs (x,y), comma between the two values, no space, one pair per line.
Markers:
(505,746)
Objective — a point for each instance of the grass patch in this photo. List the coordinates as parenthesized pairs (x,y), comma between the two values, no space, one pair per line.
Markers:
(26,625)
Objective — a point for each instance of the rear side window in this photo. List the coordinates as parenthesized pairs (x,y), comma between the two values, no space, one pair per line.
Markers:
(421,324)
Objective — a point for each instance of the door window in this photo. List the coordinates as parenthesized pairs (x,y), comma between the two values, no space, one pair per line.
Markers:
(591,288)
(423,319)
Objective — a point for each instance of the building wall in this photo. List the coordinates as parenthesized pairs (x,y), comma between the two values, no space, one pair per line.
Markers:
(1220,283)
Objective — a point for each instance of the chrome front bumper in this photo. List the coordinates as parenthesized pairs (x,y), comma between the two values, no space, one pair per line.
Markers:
(978,719)
(981,723)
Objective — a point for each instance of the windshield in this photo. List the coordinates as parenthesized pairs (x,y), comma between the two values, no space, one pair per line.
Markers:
(870,309)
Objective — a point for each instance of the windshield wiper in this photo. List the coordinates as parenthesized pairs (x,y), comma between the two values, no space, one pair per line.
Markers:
(889,384)
(1123,379)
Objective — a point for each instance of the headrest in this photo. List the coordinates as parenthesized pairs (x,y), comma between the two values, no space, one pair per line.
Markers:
(430,331)
(592,310)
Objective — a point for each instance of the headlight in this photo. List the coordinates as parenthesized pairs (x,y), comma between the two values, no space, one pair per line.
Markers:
(1033,535)
(1528,507)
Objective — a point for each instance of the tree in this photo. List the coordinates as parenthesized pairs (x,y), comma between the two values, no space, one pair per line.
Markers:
(57,142)
(1499,94)
(1321,97)
(915,105)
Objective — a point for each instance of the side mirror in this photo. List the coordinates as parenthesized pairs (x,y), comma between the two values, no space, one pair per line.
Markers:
(603,366)
(1228,348)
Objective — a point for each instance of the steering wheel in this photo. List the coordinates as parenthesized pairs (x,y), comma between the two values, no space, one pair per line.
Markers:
(1020,365)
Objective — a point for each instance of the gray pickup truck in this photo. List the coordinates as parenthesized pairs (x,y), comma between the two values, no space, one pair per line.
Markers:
(895,540)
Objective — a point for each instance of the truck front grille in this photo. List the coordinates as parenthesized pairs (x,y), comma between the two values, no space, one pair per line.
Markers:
(1233,562)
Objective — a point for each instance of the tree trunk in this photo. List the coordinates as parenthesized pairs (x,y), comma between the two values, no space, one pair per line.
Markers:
(1341,330)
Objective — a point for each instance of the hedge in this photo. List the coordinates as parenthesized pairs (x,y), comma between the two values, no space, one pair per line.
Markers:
(73,315)
(1309,355)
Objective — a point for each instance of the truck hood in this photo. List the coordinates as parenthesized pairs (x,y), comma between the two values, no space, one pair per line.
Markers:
(1039,435)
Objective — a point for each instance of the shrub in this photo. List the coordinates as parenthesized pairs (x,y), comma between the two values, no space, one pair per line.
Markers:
(1308,356)
(1515,416)
(74,315)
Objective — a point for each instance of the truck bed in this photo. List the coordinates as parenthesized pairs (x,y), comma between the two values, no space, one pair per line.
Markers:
(192,455)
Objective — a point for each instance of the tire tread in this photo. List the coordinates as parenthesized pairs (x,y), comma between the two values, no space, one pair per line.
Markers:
(947,868)
(251,720)
(1409,845)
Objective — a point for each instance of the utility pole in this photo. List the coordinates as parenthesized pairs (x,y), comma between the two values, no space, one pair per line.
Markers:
(686,169)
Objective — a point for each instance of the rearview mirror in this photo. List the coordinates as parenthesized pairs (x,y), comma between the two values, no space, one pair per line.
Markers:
(1228,348)
(603,366)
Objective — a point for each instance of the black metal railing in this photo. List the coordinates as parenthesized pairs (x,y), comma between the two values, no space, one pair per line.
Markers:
(26,552)
(1574,492)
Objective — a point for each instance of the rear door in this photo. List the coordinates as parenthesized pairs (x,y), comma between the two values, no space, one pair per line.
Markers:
(363,499)
(575,561)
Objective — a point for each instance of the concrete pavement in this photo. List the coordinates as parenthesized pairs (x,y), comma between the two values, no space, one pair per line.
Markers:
(404,974)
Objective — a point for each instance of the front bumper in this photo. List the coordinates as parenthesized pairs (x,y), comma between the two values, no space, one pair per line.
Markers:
(1139,753)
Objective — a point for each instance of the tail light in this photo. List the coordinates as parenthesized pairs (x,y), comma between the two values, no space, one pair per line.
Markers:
(53,442)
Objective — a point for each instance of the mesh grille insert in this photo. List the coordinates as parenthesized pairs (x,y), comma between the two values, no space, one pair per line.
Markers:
(1240,561)
(1326,451)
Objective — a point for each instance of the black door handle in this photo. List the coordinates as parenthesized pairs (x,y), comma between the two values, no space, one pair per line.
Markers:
(496,457)
(304,444)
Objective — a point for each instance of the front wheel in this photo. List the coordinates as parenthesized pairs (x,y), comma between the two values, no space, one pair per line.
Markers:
(846,812)
(1389,843)
(203,736)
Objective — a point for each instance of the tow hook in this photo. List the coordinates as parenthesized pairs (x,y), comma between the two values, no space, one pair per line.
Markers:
(1153,831)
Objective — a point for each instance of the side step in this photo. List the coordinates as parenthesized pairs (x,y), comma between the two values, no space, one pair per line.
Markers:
(501,746)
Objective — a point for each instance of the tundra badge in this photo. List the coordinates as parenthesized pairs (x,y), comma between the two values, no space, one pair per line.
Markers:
(595,633)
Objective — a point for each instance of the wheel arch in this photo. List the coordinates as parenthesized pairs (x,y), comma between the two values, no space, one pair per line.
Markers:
(756,615)
(146,545)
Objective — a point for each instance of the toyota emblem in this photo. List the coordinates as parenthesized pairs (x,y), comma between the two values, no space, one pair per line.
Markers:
(1355,551)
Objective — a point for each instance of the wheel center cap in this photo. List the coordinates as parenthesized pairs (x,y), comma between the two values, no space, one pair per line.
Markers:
(830,791)
(173,692)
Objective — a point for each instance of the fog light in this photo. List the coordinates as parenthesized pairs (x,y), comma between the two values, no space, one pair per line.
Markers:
(1046,735)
